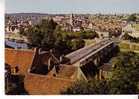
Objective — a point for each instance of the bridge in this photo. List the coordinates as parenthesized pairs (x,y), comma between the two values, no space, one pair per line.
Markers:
(95,52)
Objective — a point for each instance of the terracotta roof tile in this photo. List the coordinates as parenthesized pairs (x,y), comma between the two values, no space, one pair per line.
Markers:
(41,84)
(22,58)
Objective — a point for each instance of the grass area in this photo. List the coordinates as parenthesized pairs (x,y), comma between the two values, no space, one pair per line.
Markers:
(135,47)
(128,50)
(126,46)
(136,26)
(88,42)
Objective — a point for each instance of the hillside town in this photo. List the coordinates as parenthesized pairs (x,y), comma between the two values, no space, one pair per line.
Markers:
(69,22)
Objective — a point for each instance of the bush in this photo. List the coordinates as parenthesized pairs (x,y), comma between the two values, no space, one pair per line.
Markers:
(132,17)
(91,87)
(132,39)
(77,44)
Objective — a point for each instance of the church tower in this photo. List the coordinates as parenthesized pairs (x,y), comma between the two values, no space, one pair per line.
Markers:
(71,19)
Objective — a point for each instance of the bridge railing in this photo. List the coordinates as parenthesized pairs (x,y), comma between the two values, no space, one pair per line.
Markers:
(83,61)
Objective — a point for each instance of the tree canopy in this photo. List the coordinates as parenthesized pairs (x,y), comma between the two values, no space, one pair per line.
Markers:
(43,33)
(132,17)
(90,87)
(132,39)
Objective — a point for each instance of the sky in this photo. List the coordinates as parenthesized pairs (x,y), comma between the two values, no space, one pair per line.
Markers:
(72,6)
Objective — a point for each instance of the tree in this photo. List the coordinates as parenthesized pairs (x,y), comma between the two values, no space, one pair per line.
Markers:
(132,17)
(21,31)
(67,42)
(122,86)
(77,44)
(48,27)
(88,34)
(34,36)
(123,81)
(90,87)
(125,74)
(132,39)
(43,33)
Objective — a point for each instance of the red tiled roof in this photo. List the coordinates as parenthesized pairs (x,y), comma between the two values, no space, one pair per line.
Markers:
(41,84)
(22,58)
(67,71)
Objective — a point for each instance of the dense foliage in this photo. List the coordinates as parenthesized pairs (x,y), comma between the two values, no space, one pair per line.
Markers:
(132,39)
(91,87)
(43,33)
(125,74)
(132,17)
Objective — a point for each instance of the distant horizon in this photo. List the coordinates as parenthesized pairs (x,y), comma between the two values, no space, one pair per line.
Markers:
(68,13)
(73,6)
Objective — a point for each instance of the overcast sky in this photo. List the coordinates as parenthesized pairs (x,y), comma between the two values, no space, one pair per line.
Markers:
(72,6)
